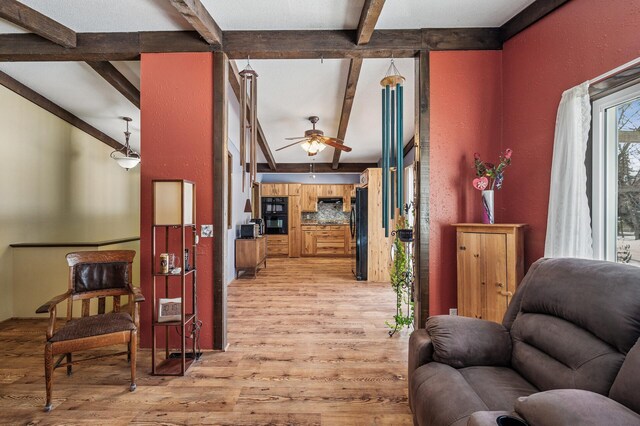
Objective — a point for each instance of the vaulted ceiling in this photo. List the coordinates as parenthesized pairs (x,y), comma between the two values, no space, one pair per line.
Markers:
(289,90)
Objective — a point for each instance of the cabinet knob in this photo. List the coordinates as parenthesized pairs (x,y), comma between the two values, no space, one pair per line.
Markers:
(463,248)
(499,285)
(505,293)
(476,255)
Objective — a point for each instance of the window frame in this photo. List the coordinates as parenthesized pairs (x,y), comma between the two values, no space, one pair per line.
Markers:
(604,172)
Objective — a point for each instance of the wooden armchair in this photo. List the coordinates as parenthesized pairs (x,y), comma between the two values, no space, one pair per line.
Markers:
(93,274)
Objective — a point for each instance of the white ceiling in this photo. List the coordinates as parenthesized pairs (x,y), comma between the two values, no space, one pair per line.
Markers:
(77,88)
(289,91)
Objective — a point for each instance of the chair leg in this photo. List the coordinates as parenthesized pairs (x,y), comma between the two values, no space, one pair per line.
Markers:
(133,349)
(69,366)
(48,374)
(129,352)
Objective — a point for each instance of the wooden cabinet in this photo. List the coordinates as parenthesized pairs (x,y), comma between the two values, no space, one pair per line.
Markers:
(275,189)
(309,198)
(250,254)
(347,190)
(325,240)
(295,232)
(331,191)
(490,266)
(295,189)
(278,245)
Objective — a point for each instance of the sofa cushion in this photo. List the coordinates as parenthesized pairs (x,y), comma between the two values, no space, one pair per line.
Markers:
(600,297)
(626,387)
(444,396)
(94,326)
(553,353)
(571,407)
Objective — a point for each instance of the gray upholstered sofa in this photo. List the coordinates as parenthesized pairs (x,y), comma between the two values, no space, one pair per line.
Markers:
(566,353)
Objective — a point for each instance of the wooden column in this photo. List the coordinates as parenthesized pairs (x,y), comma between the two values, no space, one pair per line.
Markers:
(220,79)
(421,165)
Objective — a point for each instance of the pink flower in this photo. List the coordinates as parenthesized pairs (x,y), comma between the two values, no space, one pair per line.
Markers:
(507,153)
(476,155)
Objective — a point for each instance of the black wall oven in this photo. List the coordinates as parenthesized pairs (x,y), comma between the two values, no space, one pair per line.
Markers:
(275,213)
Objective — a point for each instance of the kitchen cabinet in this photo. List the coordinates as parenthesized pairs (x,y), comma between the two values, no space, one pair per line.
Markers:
(490,266)
(250,254)
(295,231)
(275,190)
(329,191)
(325,240)
(295,189)
(309,198)
(346,197)
(277,245)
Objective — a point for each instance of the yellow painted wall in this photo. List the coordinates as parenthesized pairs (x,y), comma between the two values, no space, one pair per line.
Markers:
(57,184)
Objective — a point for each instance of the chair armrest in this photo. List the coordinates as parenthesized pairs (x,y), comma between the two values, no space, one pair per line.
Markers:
(137,294)
(466,342)
(48,307)
(568,407)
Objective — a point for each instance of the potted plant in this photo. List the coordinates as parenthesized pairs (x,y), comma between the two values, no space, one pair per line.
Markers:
(488,177)
(401,277)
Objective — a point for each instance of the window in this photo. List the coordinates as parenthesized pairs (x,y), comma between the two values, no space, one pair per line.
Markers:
(616,177)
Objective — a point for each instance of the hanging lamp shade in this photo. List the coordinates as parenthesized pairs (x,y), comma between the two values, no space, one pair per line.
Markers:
(247,206)
(126,157)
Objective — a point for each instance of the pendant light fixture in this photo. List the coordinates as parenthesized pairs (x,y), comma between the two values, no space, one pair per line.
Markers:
(249,81)
(125,156)
(392,149)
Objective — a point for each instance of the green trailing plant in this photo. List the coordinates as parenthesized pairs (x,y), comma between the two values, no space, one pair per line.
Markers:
(401,276)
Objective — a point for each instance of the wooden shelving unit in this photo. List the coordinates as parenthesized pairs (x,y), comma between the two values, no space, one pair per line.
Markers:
(174,211)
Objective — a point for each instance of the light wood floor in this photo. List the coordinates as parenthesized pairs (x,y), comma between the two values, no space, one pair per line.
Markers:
(308,345)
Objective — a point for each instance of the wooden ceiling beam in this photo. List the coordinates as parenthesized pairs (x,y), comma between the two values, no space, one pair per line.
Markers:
(44,103)
(34,21)
(368,19)
(256,44)
(117,80)
(234,81)
(349,93)
(529,16)
(409,146)
(317,167)
(200,19)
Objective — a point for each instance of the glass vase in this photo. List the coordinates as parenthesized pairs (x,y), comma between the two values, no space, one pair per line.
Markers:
(487,207)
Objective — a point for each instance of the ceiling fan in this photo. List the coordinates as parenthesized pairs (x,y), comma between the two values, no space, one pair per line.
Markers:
(315,141)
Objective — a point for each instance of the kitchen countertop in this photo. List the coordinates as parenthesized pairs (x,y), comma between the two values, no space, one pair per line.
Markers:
(325,223)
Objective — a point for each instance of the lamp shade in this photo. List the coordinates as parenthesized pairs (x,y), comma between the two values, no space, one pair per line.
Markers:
(174,202)
(247,207)
(127,162)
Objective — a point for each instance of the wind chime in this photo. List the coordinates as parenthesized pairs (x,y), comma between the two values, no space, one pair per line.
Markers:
(392,149)
(248,83)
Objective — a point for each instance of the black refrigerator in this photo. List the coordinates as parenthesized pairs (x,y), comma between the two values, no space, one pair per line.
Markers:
(358,222)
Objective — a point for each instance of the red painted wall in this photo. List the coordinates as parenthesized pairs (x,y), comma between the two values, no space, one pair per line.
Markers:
(466,117)
(579,41)
(177,143)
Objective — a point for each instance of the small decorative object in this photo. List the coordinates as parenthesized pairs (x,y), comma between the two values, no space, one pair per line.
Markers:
(164,263)
(126,157)
(488,178)
(172,262)
(169,309)
(392,144)
(186,260)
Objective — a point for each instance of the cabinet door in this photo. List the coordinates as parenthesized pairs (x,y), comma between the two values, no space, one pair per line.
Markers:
(295,189)
(346,197)
(309,198)
(294,226)
(497,293)
(274,190)
(308,243)
(470,280)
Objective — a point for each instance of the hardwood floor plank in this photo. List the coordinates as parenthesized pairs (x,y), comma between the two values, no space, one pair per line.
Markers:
(308,346)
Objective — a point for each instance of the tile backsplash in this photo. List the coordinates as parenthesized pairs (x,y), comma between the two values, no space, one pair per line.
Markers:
(327,212)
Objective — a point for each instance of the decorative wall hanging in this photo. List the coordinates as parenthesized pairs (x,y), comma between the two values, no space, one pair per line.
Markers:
(248,82)
(392,147)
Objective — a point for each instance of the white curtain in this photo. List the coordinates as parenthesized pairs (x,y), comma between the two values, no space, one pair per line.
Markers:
(569,220)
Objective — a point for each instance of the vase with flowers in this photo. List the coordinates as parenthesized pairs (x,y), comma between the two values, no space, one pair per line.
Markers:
(490,177)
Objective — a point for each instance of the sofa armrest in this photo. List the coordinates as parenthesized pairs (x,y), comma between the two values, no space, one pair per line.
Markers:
(466,342)
(420,352)
(569,407)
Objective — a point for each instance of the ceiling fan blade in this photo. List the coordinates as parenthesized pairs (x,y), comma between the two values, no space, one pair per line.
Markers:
(333,139)
(338,145)
(291,144)
(291,139)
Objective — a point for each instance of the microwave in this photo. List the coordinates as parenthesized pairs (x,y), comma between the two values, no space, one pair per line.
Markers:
(250,230)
